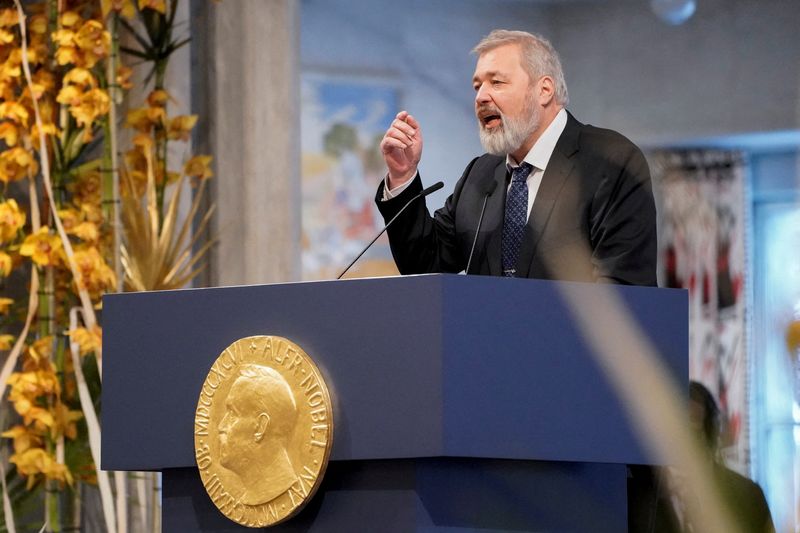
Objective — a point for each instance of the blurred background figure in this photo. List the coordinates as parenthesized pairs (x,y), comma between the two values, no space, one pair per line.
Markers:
(742,498)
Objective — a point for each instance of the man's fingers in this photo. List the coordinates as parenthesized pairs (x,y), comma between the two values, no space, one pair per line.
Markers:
(403,127)
(411,121)
(403,134)
(395,133)
(390,143)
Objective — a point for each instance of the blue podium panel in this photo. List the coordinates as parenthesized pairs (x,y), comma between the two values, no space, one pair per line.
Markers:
(435,495)
(516,365)
(420,366)
(159,347)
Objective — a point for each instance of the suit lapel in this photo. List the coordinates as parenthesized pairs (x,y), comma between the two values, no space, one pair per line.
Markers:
(493,220)
(558,169)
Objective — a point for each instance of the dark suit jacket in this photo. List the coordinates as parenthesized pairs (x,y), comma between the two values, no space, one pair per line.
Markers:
(651,506)
(593,219)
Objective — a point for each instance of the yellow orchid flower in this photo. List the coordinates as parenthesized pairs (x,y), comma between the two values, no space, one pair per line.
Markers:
(69,19)
(37,25)
(63,37)
(41,350)
(93,103)
(5,304)
(42,247)
(44,78)
(8,18)
(94,42)
(88,340)
(74,224)
(6,264)
(37,461)
(65,421)
(12,218)
(15,112)
(6,341)
(80,76)
(37,53)
(144,118)
(6,37)
(69,95)
(145,143)
(16,163)
(87,193)
(34,91)
(22,405)
(24,438)
(199,166)
(49,110)
(84,47)
(92,212)
(69,218)
(124,7)
(158,98)
(94,274)
(9,133)
(48,128)
(88,231)
(124,77)
(180,127)
(10,70)
(41,418)
(157,5)
(66,55)
(29,384)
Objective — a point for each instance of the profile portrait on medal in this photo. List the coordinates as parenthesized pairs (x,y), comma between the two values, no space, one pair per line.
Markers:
(256,431)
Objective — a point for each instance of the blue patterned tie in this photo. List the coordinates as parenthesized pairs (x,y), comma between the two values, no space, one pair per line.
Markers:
(516,217)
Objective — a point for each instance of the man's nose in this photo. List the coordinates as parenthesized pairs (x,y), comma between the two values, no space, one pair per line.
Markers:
(482,95)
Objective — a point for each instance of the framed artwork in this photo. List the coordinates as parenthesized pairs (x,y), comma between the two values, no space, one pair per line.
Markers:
(702,249)
(343,119)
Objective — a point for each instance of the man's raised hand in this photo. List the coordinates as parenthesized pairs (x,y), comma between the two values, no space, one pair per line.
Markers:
(402,149)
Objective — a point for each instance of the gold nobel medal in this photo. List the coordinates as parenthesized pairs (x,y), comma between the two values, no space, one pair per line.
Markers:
(263,430)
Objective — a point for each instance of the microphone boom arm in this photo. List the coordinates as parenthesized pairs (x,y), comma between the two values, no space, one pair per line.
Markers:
(425,192)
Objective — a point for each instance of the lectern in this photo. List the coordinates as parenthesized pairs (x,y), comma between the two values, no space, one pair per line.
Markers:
(461,403)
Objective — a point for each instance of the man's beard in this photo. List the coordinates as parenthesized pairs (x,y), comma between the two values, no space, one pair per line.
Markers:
(511,134)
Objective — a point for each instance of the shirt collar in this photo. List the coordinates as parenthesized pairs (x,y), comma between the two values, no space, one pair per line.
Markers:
(543,148)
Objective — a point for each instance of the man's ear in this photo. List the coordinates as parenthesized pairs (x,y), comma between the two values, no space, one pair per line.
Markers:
(545,90)
(262,423)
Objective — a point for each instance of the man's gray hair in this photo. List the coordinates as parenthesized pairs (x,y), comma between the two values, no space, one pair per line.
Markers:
(539,57)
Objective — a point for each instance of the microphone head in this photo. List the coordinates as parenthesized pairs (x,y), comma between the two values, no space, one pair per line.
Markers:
(433,188)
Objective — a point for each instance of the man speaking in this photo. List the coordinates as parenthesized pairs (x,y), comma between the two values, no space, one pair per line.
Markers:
(559,199)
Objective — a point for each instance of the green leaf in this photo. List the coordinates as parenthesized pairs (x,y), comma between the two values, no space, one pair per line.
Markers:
(175,46)
(134,52)
(141,40)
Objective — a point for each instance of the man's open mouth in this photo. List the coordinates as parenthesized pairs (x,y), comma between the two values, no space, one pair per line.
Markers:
(491,120)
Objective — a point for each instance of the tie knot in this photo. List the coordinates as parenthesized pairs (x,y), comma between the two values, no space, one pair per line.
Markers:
(522,172)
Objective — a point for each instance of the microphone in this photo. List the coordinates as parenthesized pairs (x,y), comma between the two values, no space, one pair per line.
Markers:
(488,190)
(425,192)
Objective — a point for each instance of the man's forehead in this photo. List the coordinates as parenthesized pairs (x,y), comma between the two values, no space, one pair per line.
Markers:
(499,60)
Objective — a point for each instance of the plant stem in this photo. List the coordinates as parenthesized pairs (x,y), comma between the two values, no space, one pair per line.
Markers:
(160,69)
(110,187)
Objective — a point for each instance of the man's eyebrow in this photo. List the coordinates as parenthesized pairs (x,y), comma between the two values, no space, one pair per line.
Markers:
(489,74)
